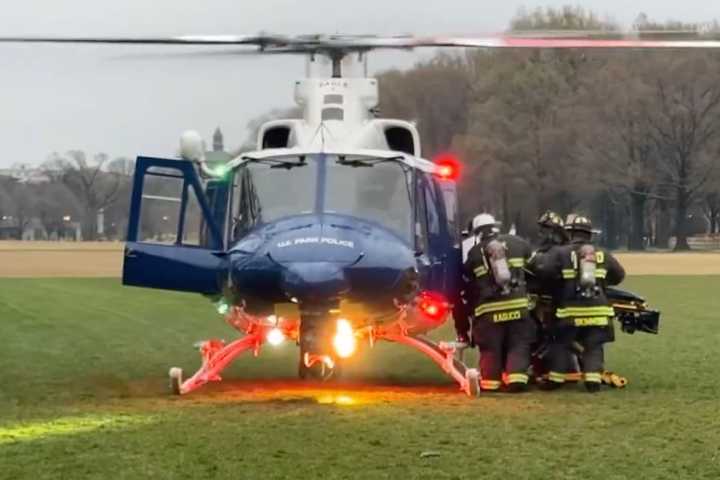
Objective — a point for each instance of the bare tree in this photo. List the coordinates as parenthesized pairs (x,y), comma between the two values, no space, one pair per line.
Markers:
(93,185)
(712,210)
(122,166)
(620,145)
(686,133)
(55,206)
(116,214)
(21,206)
(435,94)
(7,204)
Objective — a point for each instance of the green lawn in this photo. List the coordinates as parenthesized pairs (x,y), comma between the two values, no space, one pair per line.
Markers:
(83,395)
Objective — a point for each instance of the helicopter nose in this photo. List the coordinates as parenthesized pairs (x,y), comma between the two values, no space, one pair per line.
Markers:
(314,280)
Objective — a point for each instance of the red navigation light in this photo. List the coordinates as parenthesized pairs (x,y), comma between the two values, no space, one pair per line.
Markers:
(433,305)
(448,166)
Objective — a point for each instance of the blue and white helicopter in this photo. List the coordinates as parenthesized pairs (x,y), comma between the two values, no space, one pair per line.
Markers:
(334,232)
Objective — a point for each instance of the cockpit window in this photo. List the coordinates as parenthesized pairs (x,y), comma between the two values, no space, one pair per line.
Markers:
(373,189)
(377,192)
(267,191)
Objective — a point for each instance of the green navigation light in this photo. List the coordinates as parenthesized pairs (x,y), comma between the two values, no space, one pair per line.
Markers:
(222,307)
(221,171)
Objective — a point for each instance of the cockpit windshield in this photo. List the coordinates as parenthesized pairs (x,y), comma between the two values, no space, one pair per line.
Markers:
(376,190)
(280,191)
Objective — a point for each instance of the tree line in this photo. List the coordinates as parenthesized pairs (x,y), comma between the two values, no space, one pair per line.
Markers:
(72,189)
(630,137)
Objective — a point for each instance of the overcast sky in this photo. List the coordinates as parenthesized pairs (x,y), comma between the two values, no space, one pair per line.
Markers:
(100,99)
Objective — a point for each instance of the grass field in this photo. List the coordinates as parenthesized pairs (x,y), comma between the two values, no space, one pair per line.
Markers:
(104,259)
(83,395)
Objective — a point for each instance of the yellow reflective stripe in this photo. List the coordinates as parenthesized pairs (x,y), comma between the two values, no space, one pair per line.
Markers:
(593,377)
(591,321)
(518,262)
(515,304)
(480,271)
(556,377)
(517,378)
(600,273)
(490,384)
(596,311)
(568,273)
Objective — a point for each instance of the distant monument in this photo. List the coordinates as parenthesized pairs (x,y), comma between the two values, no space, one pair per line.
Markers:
(218,144)
(218,155)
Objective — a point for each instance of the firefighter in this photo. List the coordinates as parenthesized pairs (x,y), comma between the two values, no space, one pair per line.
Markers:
(496,295)
(583,314)
(552,236)
(552,231)
(461,309)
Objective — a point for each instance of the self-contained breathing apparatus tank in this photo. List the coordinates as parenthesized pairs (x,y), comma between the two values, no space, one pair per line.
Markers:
(585,258)
(484,226)
(586,266)
(495,254)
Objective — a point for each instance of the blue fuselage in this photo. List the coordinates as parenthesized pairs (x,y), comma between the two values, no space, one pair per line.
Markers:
(320,233)
(323,258)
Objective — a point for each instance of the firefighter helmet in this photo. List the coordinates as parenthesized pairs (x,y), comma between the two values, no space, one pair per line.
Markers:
(484,220)
(578,223)
(551,220)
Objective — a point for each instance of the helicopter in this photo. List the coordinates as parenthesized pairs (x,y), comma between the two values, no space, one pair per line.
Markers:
(334,233)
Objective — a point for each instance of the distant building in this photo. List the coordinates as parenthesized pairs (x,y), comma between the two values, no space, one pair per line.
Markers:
(218,141)
(25,173)
(218,154)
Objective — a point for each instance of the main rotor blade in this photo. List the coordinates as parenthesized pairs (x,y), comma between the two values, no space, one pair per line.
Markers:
(257,40)
(200,54)
(568,41)
(343,44)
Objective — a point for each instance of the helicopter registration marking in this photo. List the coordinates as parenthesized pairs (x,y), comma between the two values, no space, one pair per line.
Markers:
(317,240)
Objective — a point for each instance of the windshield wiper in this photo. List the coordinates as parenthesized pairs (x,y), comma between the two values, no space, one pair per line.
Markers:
(280,163)
(364,162)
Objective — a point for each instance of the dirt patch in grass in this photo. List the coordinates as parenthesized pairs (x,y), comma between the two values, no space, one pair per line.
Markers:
(104,259)
(60,259)
(692,263)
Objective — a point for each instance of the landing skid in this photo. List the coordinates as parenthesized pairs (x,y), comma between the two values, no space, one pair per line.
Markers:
(445,355)
(216,356)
